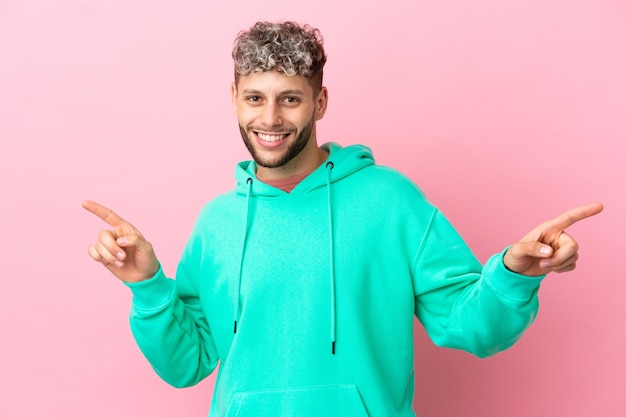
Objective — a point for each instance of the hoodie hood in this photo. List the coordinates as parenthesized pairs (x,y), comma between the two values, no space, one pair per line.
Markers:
(345,161)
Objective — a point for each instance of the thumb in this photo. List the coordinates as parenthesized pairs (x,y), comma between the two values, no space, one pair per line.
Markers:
(139,254)
(135,241)
(533,249)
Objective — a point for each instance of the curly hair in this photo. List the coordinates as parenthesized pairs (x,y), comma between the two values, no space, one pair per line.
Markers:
(285,47)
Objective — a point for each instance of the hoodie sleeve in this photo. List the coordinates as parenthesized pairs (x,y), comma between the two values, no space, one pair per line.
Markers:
(463,305)
(168,324)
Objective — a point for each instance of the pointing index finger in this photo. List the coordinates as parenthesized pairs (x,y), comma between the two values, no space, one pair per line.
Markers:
(106,214)
(565,220)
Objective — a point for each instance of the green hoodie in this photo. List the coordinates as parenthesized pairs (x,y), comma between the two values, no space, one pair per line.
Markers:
(306,299)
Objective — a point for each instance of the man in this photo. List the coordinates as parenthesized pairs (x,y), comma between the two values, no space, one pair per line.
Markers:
(303,281)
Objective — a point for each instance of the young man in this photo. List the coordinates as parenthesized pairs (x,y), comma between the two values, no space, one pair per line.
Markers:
(303,281)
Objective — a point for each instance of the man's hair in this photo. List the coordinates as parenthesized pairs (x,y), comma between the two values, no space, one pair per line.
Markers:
(285,47)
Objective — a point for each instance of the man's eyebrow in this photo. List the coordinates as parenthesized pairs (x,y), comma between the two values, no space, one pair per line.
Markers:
(250,91)
(293,92)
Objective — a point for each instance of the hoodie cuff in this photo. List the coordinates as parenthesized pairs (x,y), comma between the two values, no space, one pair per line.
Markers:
(152,293)
(514,286)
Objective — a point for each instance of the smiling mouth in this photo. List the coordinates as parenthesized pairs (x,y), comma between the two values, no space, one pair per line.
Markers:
(271,137)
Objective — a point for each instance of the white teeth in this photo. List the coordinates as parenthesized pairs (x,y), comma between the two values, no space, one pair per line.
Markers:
(271,138)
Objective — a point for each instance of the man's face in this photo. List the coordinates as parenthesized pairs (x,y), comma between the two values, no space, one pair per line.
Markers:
(277,115)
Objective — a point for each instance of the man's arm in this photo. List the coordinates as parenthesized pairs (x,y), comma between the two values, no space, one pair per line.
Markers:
(166,318)
(486,309)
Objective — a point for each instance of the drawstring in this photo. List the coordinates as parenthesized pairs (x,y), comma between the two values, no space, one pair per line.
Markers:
(243,248)
(333,307)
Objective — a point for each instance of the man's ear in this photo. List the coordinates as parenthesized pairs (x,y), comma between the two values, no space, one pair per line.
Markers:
(321,103)
(233,92)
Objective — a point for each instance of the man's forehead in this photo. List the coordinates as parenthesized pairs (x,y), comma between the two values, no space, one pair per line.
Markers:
(274,82)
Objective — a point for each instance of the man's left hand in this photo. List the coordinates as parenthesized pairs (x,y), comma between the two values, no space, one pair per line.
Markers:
(547,248)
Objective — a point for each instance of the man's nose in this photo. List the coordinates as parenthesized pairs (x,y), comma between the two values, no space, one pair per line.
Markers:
(271,115)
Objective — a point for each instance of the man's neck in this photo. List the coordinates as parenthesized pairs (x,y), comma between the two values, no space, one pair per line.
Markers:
(286,184)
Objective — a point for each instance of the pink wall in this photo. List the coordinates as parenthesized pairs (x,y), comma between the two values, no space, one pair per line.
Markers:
(505,112)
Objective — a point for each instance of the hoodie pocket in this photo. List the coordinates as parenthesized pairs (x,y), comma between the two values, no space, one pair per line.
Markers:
(327,401)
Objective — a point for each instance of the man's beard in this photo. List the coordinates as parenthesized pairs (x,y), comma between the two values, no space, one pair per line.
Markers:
(292,151)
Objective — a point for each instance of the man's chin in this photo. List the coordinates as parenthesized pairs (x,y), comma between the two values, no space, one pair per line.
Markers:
(269,162)
(270,157)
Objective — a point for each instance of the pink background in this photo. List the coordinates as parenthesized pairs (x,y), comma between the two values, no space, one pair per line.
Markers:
(505,112)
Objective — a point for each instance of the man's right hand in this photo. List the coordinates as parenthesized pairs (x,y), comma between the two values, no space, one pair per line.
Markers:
(122,250)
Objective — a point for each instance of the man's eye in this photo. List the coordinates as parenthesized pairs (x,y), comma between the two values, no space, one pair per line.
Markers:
(254,99)
(291,100)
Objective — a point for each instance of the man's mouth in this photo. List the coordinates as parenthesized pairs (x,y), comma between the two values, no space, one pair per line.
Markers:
(271,137)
